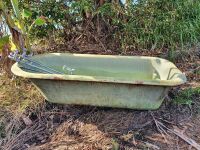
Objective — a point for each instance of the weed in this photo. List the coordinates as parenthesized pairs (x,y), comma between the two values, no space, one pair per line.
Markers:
(115,145)
(157,24)
(186,96)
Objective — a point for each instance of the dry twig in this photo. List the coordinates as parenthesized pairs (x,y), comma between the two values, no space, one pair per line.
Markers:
(162,128)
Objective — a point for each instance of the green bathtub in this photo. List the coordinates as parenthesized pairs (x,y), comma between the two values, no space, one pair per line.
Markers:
(134,82)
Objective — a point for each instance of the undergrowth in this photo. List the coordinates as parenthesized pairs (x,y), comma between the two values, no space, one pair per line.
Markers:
(163,24)
(186,96)
(16,95)
(147,24)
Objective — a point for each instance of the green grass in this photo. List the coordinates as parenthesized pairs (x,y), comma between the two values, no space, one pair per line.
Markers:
(186,96)
(158,24)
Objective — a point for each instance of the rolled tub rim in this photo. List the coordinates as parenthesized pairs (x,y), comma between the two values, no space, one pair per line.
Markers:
(172,82)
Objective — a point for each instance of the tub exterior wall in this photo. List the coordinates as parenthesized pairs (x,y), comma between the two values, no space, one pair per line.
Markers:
(142,97)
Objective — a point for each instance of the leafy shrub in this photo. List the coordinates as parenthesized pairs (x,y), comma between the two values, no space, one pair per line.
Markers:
(154,24)
(55,13)
(145,24)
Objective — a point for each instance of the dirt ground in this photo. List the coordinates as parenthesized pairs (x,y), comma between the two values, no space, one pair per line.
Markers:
(68,127)
(60,127)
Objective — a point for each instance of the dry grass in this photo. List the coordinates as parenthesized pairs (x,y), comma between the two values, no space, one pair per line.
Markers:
(17,94)
(17,98)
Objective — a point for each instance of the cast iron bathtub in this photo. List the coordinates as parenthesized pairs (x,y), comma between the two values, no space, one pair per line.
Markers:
(101,80)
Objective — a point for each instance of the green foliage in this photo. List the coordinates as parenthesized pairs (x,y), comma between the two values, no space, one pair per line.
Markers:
(3,41)
(15,5)
(147,24)
(56,15)
(83,6)
(157,24)
(26,13)
(186,96)
(16,23)
(39,21)
(115,145)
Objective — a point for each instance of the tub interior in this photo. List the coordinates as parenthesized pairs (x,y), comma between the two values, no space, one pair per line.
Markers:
(125,67)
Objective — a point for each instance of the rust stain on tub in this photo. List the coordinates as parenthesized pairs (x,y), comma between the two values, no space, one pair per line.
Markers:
(57,78)
(138,82)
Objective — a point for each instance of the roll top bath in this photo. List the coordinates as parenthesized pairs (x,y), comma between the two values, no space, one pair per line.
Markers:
(101,80)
